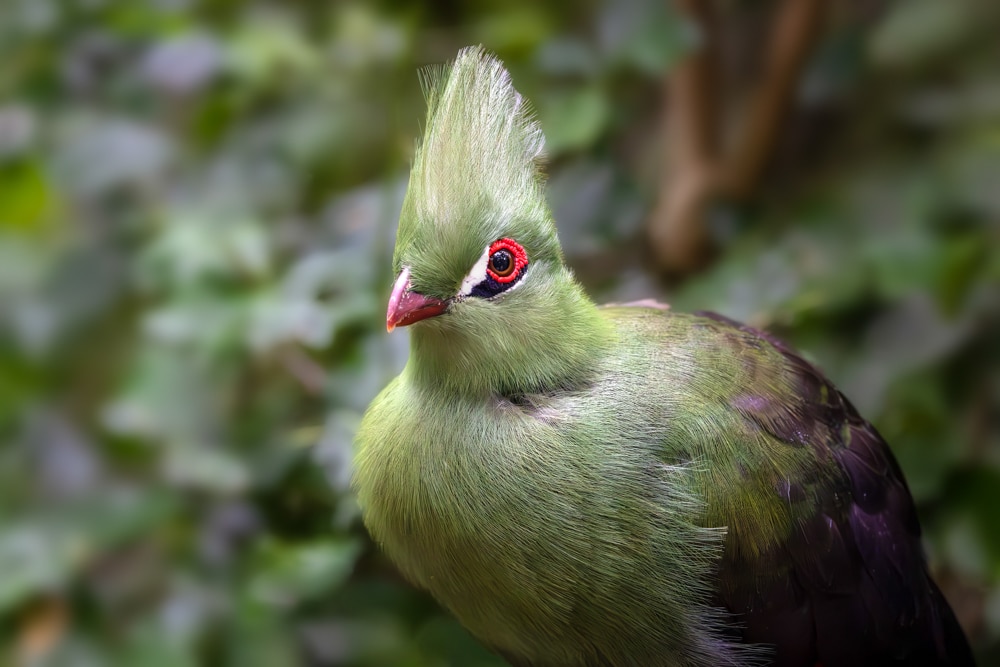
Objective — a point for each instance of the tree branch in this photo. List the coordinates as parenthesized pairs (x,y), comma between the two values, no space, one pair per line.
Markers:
(690,129)
(793,34)
(697,170)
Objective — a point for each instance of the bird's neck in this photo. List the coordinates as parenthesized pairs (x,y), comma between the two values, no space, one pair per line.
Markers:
(555,346)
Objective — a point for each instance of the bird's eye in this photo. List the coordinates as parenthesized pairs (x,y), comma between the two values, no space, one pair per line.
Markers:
(506,262)
(501,263)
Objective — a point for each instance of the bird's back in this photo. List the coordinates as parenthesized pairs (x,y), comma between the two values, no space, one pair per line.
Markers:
(823,559)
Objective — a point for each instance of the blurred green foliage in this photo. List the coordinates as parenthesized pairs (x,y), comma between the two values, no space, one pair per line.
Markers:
(197,204)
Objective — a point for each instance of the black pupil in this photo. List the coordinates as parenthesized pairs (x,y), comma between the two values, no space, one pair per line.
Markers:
(501,261)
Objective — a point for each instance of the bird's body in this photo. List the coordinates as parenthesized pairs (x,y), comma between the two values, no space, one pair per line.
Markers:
(620,485)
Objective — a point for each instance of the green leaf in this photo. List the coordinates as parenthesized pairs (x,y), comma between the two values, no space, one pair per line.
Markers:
(289,574)
(645,34)
(918,31)
(26,199)
(575,118)
(265,48)
(43,552)
(207,468)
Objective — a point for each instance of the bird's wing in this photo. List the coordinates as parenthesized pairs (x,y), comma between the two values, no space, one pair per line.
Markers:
(848,582)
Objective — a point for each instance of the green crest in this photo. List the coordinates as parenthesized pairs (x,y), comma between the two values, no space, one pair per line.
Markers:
(475,177)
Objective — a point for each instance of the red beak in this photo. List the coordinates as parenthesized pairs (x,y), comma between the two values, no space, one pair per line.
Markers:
(406,307)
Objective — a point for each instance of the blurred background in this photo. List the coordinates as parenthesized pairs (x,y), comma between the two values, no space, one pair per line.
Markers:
(197,207)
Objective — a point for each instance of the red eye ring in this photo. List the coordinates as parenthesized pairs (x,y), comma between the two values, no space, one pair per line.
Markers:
(518,257)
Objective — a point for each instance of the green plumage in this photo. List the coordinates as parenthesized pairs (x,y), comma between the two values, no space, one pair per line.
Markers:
(620,485)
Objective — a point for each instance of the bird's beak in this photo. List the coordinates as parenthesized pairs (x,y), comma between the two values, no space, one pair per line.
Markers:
(406,307)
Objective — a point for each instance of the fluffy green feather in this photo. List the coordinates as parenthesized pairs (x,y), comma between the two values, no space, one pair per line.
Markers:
(622,485)
(488,467)
(549,522)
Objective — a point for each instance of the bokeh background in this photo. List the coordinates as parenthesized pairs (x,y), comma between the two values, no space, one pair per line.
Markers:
(197,207)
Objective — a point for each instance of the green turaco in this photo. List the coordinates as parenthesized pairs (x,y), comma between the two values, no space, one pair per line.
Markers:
(619,485)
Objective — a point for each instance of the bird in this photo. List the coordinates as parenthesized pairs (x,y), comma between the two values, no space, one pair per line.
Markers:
(617,485)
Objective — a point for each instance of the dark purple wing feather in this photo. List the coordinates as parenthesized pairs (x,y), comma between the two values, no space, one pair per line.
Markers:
(850,587)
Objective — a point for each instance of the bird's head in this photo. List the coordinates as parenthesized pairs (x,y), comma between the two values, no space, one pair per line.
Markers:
(478,264)
(475,228)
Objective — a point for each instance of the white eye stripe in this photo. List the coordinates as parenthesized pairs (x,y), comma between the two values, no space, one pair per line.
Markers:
(476,275)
